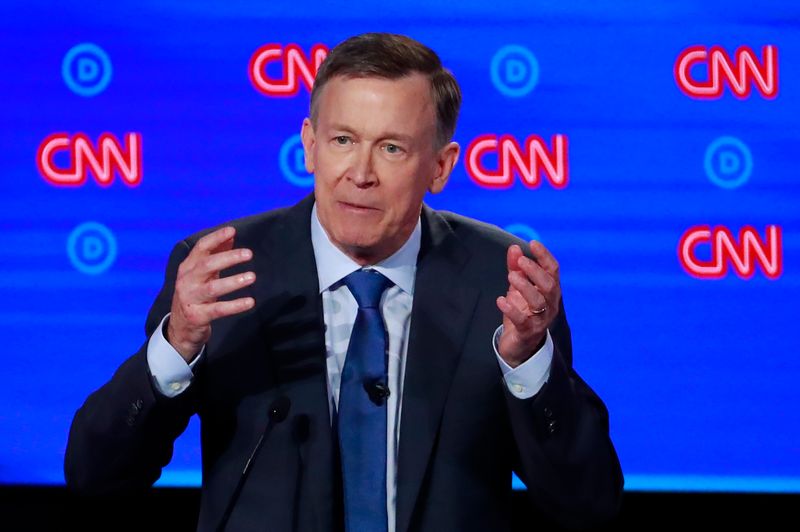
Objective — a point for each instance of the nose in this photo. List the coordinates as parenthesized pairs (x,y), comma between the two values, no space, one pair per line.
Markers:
(362,172)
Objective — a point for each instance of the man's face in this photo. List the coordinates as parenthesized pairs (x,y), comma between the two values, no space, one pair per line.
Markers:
(373,154)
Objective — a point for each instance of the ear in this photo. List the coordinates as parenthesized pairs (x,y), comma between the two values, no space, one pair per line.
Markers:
(445,161)
(309,139)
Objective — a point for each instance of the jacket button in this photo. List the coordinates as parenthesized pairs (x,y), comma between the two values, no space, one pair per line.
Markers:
(547,412)
(551,427)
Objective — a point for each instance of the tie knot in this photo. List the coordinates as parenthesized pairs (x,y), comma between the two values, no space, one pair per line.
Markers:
(367,286)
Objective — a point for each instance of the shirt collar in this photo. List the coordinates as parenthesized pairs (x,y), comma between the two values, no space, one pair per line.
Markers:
(333,265)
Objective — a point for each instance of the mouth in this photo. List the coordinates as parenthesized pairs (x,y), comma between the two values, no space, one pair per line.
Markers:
(356,208)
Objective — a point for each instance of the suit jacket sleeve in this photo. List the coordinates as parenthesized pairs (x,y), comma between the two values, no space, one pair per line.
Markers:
(566,457)
(123,434)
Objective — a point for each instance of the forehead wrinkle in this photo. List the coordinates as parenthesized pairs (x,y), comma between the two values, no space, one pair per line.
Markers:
(393,109)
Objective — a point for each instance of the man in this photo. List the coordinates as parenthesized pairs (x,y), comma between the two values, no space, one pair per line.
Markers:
(405,412)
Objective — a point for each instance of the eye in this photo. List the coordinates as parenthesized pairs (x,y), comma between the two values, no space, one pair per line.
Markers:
(393,148)
(342,140)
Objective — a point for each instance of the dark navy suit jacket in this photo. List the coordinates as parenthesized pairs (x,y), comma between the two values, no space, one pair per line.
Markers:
(462,433)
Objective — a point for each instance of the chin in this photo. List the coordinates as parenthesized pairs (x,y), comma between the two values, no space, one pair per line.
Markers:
(357,241)
(363,247)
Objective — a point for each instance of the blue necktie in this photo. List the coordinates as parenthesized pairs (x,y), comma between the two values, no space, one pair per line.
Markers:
(362,409)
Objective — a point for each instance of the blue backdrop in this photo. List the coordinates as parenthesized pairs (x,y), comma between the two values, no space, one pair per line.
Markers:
(671,199)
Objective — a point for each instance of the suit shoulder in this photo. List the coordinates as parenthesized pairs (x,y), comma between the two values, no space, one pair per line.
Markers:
(477,234)
(261,224)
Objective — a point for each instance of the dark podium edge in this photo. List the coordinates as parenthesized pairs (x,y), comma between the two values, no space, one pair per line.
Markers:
(175,509)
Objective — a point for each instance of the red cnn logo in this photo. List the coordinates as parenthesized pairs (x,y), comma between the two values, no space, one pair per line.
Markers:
(740,72)
(529,162)
(102,161)
(725,250)
(297,68)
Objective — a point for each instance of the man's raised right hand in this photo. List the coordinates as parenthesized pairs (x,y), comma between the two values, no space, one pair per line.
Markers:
(197,287)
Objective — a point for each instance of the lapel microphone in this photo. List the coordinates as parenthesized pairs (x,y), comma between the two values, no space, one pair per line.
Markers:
(278,411)
(377,390)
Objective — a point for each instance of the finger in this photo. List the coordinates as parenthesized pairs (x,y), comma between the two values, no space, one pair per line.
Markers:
(512,257)
(519,303)
(221,309)
(516,315)
(533,298)
(219,261)
(213,240)
(537,275)
(226,285)
(516,299)
(544,258)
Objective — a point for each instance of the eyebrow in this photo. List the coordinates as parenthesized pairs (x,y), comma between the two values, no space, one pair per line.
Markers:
(386,135)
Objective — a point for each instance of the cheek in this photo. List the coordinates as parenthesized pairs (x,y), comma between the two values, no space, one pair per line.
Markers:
(330,167)
(403,203)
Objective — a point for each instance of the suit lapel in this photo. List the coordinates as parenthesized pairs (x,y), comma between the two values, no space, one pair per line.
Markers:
(297,344)
(443,304)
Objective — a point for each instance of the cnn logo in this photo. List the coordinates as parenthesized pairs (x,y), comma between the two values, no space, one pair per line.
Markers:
(531,161)
(724,252)
(296,68)
(109,157)
(740,73)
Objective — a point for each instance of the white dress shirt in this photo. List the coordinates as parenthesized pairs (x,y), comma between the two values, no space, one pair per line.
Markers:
(172,375)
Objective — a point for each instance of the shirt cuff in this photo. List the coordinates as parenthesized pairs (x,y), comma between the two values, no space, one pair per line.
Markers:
(171,374)
(527,379)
